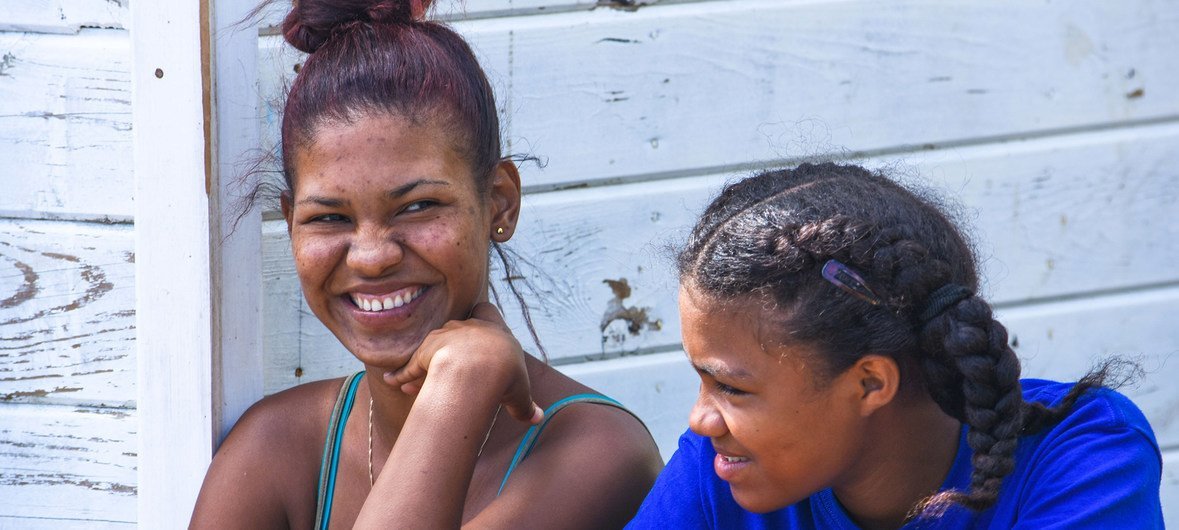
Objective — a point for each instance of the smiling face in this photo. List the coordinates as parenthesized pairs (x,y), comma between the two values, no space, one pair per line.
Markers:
(390,233)
(780,434)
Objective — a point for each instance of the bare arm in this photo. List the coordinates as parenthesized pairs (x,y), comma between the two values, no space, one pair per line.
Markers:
(592,469)
(468,368)
(264,468)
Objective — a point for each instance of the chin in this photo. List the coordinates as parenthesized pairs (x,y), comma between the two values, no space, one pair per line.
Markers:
(753,502)
(387,355)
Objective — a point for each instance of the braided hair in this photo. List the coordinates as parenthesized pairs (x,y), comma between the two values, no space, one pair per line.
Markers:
(772,234)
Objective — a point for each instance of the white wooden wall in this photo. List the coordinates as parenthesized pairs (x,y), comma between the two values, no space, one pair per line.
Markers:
(67,257)
(1056,123)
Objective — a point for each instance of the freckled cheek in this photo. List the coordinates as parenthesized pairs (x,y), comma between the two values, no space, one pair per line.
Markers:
(447,238)
(314,258)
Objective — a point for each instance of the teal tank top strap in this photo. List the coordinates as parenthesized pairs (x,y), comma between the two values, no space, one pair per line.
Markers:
(331,449)
(530,437)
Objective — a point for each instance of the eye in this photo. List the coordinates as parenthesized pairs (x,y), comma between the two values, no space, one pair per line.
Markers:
(728,390)
(420,205)
(328,218)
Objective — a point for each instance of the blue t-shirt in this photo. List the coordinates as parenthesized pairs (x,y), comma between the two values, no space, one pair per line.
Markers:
(1100,467)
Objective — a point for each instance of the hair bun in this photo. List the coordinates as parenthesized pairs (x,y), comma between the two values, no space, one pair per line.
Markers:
(311,22)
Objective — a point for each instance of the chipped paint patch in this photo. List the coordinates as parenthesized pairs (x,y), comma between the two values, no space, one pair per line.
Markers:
(634,318)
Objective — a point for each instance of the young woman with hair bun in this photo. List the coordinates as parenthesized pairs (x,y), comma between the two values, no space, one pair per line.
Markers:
(853,378)
(396,193)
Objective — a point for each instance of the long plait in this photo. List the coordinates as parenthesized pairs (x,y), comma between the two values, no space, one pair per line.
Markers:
(973,374)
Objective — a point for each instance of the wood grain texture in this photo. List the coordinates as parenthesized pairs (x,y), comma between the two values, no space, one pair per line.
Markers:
(1055,217)
(704,87)
(63,16)
(66,467)
(67,313)
(65,125)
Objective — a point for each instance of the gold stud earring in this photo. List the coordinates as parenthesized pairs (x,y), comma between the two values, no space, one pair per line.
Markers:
(499,230)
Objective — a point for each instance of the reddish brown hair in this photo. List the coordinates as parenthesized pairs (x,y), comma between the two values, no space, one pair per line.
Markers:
(371,56)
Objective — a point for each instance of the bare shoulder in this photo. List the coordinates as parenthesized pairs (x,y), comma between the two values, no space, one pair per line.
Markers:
(603,457)
(264,474)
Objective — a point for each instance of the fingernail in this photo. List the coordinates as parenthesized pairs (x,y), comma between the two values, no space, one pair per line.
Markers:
(537,414)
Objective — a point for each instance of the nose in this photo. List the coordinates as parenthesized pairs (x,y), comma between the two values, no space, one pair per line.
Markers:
(705,419)
(373,252)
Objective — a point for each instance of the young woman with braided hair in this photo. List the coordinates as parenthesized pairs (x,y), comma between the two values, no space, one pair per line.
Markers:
(396,193)
(851,377)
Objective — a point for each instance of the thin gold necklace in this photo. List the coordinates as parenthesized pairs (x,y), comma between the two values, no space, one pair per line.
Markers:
(370,438)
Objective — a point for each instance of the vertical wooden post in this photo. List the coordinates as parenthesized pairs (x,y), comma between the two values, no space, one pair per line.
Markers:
(173,265)
(198,264)
(237,275)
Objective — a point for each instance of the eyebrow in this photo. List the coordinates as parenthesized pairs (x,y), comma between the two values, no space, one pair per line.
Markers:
(717,370)
(323,201)
(395,193)
(402,190)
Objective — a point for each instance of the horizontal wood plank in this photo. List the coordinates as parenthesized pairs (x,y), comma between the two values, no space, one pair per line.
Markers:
(57,523)
(66,467)
(65,125)
(63,16)
(1054,217)
(1170,488)
(271,17)
(658,388)
(67,313)
(693,88)
(1064,340)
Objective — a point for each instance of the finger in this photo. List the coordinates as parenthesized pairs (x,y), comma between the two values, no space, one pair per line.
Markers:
(487,312)
(520,405)
(412,388)
(530,413)
(406,374)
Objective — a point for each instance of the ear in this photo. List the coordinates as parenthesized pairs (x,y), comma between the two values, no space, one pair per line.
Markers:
(284,200)
(878,378)
(504,199)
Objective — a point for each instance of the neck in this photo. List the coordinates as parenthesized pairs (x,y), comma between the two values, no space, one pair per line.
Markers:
(910,448)
(390,408)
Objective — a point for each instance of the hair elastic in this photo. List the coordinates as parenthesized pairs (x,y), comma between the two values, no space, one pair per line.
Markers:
(845,278)
(942,299)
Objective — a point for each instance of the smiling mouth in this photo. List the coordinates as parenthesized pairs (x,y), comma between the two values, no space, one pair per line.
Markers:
(370,303)
(734,459)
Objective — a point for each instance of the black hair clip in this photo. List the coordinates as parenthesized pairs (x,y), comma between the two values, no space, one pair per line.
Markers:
(845,278)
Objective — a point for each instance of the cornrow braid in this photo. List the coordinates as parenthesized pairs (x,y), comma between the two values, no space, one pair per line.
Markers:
(771,234)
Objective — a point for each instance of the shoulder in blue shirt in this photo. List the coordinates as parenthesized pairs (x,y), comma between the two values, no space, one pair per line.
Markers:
(1100,467)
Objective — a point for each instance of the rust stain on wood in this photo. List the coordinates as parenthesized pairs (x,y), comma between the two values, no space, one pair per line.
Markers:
(634,317)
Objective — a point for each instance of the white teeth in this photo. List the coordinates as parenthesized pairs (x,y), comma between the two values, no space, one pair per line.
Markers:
(389,302)
(732,459)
